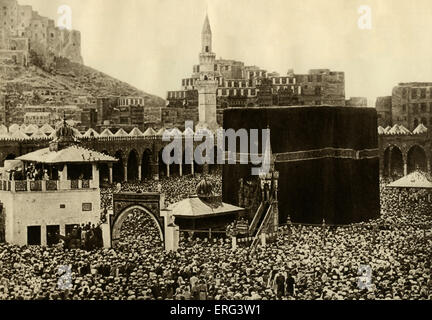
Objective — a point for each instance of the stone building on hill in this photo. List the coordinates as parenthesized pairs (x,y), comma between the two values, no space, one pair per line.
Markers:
(23,30)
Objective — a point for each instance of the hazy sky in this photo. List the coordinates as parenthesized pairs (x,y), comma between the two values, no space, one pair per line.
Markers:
(153,44)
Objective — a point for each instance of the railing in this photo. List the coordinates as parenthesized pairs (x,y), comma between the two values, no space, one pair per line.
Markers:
(45,185)
(264,224)
(256,218)
(21,185)
(36,185)
(5,185)
(85,184)
(74,184)
(51,185)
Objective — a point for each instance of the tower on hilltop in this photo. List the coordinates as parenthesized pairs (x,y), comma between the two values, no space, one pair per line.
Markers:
(207,84)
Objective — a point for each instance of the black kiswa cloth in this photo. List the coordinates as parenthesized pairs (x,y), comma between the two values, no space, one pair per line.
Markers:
(326,157)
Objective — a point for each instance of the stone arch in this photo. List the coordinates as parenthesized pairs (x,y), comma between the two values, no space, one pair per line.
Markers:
(118,167)
(132,165)
(416,159)
(396,161)
(146,162)
(121,217)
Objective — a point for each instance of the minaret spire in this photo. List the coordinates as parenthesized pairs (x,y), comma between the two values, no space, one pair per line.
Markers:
(206,36)
(207,84)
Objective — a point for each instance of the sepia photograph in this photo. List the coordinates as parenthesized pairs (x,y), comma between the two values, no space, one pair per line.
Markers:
(215,155)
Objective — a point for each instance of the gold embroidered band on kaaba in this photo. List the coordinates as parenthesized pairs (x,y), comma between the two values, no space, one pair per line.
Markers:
(338,153)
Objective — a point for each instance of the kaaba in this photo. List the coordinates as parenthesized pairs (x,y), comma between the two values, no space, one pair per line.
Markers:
(326,156)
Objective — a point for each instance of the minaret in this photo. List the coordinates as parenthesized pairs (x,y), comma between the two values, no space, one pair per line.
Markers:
(206,36)
(207,84)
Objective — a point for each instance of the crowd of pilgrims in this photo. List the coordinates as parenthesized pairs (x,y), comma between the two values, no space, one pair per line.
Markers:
(85,237)
(305,262)
(32,173)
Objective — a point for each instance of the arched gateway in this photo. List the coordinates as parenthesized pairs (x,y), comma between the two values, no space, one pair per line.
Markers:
(143,203)
(117,224)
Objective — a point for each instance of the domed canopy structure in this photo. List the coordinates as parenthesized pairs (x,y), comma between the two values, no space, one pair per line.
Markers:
(204,189)
(204,210)
(64,136)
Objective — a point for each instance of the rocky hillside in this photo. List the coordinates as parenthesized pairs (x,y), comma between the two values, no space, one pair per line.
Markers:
(67,79)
